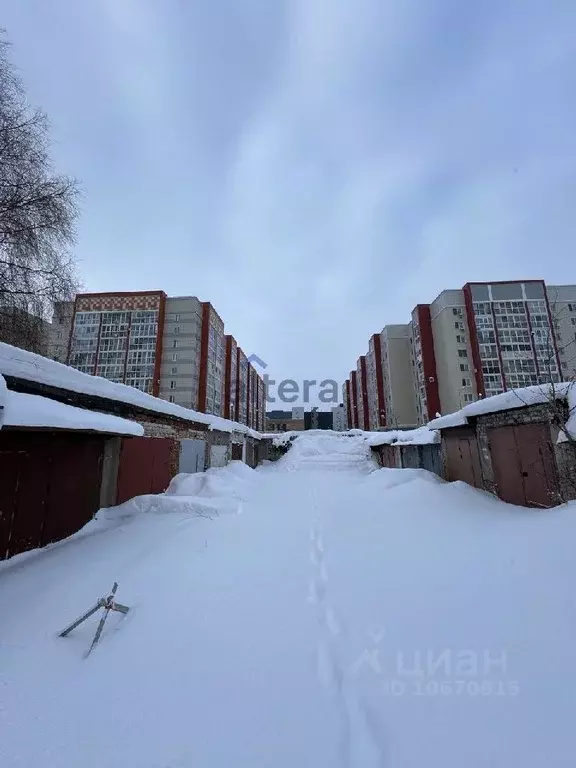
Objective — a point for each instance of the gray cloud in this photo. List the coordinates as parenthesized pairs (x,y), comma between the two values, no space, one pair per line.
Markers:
(314,167)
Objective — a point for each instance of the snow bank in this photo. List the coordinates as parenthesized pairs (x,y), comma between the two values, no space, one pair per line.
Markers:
(21,410)
(204,494)
(515,398)
(232,480)
(32,367)
(326,450)
(420,436)
(386,478)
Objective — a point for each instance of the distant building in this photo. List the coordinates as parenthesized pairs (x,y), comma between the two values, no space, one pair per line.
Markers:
(59,331)
(23,329)
(339,418)
(282,421)
(315,419)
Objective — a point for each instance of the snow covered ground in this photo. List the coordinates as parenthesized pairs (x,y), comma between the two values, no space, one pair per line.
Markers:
(327,615)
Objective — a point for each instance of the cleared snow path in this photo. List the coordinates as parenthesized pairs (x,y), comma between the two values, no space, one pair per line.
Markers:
(287,636)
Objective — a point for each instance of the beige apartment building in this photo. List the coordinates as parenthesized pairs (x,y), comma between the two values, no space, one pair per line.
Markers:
(181,341)
(398,383)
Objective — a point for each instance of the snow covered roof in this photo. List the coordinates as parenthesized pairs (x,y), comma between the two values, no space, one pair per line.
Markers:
(420,436)
(32,367)
(516,398)
(21,410)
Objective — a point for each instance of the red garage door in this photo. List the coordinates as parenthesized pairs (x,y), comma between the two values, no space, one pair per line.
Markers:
(147,464)
(49,486)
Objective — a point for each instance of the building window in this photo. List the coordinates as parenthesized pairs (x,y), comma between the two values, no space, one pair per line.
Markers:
(174,356)
(176,318)
(172,384)
(573,320)
(468,397)
(466,382)
(564,365)
(462,353)
(175,343)
(461,339)
(174,369)
(464,367)
(176,329)
(171,398)
(571,307)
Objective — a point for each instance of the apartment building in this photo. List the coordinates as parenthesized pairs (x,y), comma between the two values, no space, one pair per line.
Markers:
(354,400)
(375,384)
(423,362)
(261,420)
(242,388)
(230,377)
(562,302)
(171,347)
(116,336)
(347,410)
(362,393)
(180,365)
(211,380)
(492,337)
(251,404)
(398,383)
(474,342)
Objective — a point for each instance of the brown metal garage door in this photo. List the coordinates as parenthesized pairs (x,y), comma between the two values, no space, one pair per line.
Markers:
(524,465)
(462,456)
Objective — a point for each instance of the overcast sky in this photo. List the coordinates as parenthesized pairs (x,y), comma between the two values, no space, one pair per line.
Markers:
(314,168)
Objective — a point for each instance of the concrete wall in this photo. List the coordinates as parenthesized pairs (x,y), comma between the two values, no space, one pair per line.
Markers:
(181,363)
(110,464)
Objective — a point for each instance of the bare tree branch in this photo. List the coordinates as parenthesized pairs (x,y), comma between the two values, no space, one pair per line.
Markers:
(38,210)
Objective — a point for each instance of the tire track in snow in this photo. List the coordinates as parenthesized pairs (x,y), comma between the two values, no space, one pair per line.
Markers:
(360,742)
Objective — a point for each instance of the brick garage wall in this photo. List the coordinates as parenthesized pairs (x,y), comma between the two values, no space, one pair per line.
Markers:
(566,463)
(174,461)
(176,429)
(270,452)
